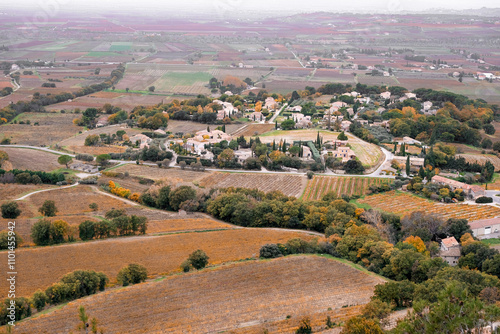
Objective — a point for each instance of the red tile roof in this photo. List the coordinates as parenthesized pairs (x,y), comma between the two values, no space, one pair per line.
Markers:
(484,222)
(450,242)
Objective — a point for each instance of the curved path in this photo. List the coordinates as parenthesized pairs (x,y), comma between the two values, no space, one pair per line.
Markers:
(44,190)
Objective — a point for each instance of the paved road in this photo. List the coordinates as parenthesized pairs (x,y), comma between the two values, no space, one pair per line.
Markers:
(388,156)
(276,114)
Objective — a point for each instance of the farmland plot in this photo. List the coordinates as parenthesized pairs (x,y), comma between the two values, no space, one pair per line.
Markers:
(40,267)
(206,301)
(290,185)
(403,204)
(52,128)
(482,159)
(20,158)
(173,175)
(321,185)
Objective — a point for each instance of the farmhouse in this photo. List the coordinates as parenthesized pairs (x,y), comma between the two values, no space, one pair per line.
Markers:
(470,191)
(270,103)
(227,109)
(142,139)
(344,152)
(295,109)
(414,161)
(198,143)
(385,95)
(242,155)
(84,168)
(256,116)
(449,251)
(345,125)
(486,228)
(409,141)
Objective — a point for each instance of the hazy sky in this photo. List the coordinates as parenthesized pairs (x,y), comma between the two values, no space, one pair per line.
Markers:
(240,7)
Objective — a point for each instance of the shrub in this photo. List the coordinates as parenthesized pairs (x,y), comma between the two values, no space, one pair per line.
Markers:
(198,259)
(484,199)
(270,251)
(310,175)
(87,230)
(40,232)
(9,236)
(84,157)
(39,300)
(132,274)
(304,326)
(93,206)
(23,178)
(48,208)
(179,195)
(10,210)
(186,266)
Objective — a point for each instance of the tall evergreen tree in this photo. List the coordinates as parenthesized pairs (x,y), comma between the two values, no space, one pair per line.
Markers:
(408,166)
(395,148)
(274,145)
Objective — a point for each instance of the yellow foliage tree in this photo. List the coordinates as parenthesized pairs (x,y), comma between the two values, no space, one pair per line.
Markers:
(416,242)
(135,197)
(359,212)
(467,239)
(112,185)
(258,106)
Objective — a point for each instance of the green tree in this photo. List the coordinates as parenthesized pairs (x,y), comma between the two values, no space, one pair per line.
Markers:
(151,88)
(132,274)
(48,208)
(40,232)
(39,300)
(354,167)
(10,210)
(87,230)
(408,166)
(342,136)
(91,140)
(6,239)
(288,124)
(180,195)
(65,160)
(198,259)
(103,159)
(304,326)
(163,202)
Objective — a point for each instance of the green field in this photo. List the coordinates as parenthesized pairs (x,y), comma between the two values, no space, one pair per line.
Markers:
(97,54)
(120,46)
(170,80)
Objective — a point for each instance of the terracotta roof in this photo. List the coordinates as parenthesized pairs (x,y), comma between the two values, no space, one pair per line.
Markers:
(452,183)
(450,242)
(452,252)
(484,222)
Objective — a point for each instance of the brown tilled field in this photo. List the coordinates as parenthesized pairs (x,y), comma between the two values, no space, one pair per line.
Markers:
(40,267)
(249,296)
(171,175)
(290,185)
(193,127)
(31,159)
(11,191)
(481,159)
(52,128)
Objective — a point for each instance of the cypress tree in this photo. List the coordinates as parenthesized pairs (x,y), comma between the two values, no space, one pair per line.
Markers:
(276,125)
(395,148)
(274,145)
(284,146)
(408,166)
(421,173)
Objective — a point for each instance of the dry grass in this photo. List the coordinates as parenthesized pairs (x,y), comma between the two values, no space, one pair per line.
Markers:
(404,203)
(171,175)
(53,128)
(482,159)
(31,159)
(12,191)
(40,267)
(242,296)
(185,225)
(290,185)
(126,182)
(78,141)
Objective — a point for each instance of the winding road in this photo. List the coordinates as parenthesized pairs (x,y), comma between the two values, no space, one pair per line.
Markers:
(376,173)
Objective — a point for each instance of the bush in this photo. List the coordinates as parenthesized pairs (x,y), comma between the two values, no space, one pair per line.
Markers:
(23,178)
(484,199)
(10,210)
(87,230)
(39,300)
(132,274)
(9,236)
(186,266)
(48,208)
(270,251)
(40,232)
(198,259)
(93,206)
(84,157)
(310,175)
(179,195)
